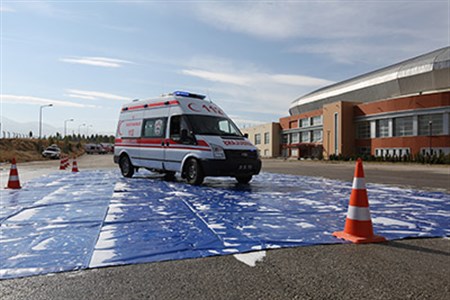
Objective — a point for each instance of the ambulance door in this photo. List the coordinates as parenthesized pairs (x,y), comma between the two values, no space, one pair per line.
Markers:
(179,143)
(128,135)
(152,142)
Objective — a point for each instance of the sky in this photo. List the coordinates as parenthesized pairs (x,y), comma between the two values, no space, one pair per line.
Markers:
(252,58)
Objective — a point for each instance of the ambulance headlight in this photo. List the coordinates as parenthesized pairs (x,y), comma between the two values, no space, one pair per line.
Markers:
(218,152)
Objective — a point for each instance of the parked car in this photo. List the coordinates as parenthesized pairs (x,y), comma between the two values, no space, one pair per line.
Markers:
(109,148)
(52,151)
(94,149)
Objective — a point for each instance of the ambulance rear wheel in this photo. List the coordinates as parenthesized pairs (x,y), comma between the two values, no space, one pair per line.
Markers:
(193,172)
(126,167)
(244,179)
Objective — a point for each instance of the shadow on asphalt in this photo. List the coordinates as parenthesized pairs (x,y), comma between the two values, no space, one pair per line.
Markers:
(398,245)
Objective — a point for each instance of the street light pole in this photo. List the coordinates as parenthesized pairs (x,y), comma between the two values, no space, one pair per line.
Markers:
(40,117)
(65,126)
(79,128)
(87,130)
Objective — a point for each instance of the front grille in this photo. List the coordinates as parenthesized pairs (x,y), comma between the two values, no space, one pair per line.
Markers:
(241,154)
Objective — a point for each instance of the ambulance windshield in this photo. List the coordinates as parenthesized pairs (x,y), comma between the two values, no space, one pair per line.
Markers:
(209,125)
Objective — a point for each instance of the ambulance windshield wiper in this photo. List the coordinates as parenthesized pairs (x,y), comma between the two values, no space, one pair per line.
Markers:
(229,134)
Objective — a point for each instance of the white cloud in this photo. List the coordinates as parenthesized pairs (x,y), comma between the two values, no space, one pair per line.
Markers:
(323,19)
(51,9)
(6,9)
(345,31)
(299,80)
(219,77)
(246,92)
(16,99)
(80,96)
(96,61)
(93,95)
(257,78)
(250,18)
(125,29)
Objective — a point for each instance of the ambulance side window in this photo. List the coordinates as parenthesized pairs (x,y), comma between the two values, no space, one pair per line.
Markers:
(180,130)
(175,130)
(154,128)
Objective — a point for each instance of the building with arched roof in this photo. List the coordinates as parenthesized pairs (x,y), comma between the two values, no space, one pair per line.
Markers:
(398,110)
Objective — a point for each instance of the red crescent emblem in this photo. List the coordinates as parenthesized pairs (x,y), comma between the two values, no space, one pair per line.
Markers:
(190,105)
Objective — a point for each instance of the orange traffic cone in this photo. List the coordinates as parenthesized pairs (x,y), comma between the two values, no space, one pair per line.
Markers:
(67,163)
(358,225)
(13,182)
(74,165)
(63,163)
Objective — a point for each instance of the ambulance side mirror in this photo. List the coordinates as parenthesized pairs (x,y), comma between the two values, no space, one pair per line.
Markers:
(246,135)
(187,139)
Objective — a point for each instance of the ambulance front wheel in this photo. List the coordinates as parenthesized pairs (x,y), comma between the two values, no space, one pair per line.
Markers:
(244,179)
(126,167)
(193,172)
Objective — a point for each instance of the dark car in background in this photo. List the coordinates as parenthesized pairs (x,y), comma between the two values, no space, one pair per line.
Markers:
(94,149)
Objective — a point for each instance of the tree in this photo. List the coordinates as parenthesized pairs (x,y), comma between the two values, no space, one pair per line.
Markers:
(66,146)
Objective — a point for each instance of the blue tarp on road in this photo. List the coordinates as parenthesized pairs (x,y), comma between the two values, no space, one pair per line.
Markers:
(91,219)
(52,224)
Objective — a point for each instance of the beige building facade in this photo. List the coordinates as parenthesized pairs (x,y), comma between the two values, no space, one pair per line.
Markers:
(266,138)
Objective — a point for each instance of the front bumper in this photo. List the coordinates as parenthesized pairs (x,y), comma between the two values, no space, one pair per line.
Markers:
(231,167)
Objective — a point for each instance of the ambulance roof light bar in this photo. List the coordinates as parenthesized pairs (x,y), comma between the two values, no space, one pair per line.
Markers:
(187,94)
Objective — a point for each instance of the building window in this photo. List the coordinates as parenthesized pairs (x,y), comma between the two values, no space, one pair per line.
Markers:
(364,150)
(403,126)
(435,126)
(316,120)
(285,138)
(258,139)
(382,128)
(305,137)
(266,138)
(303,122)
(363,130)
(294,138)
(317,136)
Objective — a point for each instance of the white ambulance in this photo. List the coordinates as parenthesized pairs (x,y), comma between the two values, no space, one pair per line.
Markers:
(182,132)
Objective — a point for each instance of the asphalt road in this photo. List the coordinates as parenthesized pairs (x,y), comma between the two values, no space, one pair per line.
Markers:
(426,177)
(407,269)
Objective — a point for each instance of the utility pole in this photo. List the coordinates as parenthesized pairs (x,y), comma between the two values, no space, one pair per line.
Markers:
(40,118)
(65,126)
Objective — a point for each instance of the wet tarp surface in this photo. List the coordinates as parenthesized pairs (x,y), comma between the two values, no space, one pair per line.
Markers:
(91,219)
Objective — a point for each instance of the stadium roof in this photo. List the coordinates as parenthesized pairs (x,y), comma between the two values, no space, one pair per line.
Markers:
(422,74)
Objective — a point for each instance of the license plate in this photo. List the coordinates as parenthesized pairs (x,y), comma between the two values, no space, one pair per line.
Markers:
(245,167)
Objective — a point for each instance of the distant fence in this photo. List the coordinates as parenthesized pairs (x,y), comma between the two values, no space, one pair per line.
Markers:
(14,135)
